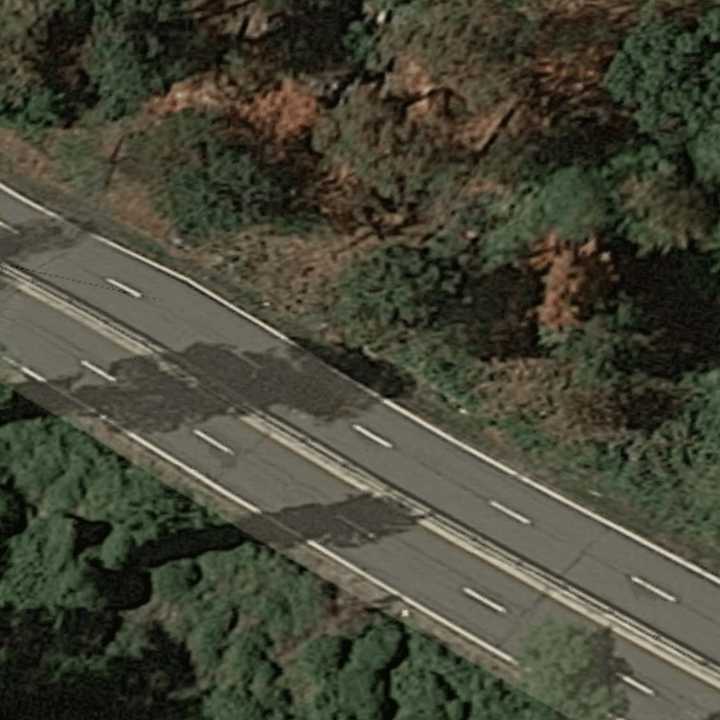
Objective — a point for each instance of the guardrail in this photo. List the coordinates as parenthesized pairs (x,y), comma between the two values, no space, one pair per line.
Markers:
(547,583)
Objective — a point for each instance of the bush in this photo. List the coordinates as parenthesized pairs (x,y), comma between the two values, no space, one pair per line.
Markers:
(571,201)
(668,76)
(659,207)
(205,181)
(82,163)
(136,51)
(396,287)
(173,580)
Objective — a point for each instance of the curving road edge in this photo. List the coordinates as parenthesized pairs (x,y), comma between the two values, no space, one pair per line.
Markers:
(554,494)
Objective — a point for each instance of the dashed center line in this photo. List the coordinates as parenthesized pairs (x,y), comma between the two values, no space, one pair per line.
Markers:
(98,371)
(632,682)
(32,374)
(497,607)
(9,228)
(125,288)
(372,436)
(212,441)
(653,589)
(511,513)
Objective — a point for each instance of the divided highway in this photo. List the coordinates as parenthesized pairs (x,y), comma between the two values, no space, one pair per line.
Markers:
(239,361)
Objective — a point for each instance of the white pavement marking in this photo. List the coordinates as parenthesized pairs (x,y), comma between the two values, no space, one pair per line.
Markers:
(653,589)
(212,441)
(124,288)
(549,492)
(23,369)
(368,434)
(632,682)
(98,371)
(200,288)
(32,374)
(9,228)
(497,607)
(511,513)
(14,193)
(497,652)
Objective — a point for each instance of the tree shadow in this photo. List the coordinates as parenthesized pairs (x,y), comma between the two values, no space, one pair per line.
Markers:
(19,408)
(378,375)
(175,390)
(500,323)
(36,237)
(350,523)
(127,688)
(677,296)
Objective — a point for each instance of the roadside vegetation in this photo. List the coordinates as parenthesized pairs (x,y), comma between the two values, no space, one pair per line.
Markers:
(121,597)
(512,202)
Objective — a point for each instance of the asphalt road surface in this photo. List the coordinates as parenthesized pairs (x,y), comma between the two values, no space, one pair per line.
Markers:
(240,363)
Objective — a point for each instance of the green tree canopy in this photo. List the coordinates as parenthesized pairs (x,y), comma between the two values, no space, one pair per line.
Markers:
(669,76)
(397,286)
(137,48)
(571,201)
(206,180)
(574,670)
(43,572)
(659,207)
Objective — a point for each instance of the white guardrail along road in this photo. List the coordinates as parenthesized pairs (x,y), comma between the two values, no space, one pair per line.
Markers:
(539,579)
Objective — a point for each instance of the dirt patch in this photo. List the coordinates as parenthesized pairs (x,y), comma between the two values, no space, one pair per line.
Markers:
(26,159)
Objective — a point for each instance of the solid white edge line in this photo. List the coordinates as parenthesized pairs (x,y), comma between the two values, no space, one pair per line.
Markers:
(98,371)
(653,588)
(9,228)
(500,654)
(372,436)
(32,374)
(497,652)
(632,682)
(201,289)
(212,441)
(27,201)
(549,492)
(124,288)
(475,595)
(510,513)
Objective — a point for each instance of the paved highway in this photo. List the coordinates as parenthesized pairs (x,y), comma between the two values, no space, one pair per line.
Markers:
(244,363)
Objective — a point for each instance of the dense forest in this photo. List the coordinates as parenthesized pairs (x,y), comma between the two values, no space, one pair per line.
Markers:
(513,202)
(120,598)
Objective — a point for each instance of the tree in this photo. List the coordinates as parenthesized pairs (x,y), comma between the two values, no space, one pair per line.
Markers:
(472,52)
(571,201)
(658,206)
(42,570)
(206,180)
(396,287)
(401,166)
(25,95)
(321,657)
(668,76)
(172,581)
(574,670)
(137,48)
